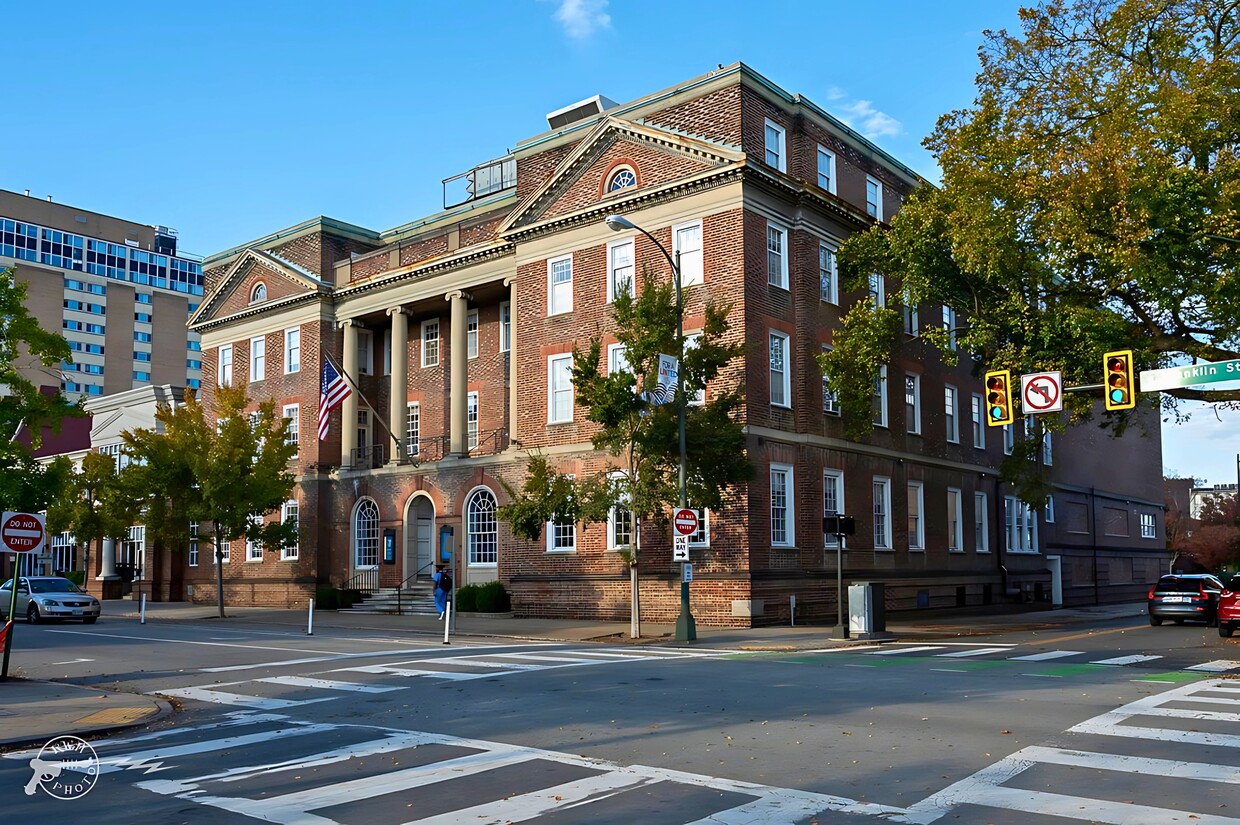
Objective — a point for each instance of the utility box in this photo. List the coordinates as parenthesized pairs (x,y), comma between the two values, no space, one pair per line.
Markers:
(867,615)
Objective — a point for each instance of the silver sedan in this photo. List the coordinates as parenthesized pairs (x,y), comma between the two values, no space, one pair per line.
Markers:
(49,597)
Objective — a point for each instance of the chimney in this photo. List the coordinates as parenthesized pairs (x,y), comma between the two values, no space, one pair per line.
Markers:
(27,193)
(49,198)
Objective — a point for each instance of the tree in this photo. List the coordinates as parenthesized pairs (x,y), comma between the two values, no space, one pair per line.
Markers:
(1216,540)
(643,434)
(1090,200)
(92,504)
(231,473)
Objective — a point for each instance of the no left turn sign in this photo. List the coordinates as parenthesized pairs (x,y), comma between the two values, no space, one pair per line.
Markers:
(1042,392)
(21,533)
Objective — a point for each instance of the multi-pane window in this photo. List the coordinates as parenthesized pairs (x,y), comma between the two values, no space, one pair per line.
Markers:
(226,365)
(687,240)
(132,551)
(830,399)
(365,352)
(619,268)
(560,285)
(1046,447)
(1048,512)
(253,542)
(619,523)
(701,536)
(981,524)
(955,538)
(873,197)
(826,169)
(882,513)
(617,359)
(978,413)
(692,340)
(289,514)
(828,278)
(63,552)
(225,553)
(880,398)
(1022,526)
(951,413)
(193,544)
(413,427)
(562,534)
(430,343)
(559,388)
(482,529)
(258,359)
(471,421)
(912,402)
(471,333)
(949,324)
(912,319)
(916,517)
(259,293)
(775,152)
(782,529)
(292,413)
(505,326)
(776,256)
(781,380)
(366,535)
(1009,439)
(1149,527)
(363,431)
(292,350)
(832,500)
(878,289)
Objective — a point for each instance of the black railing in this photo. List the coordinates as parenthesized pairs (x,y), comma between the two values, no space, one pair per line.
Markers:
(490,443)
(400,591)
(367,458)
(363,580)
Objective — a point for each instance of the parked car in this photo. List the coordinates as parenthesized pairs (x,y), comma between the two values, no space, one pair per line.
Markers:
(1229,607)
(1185,596)
(49,597)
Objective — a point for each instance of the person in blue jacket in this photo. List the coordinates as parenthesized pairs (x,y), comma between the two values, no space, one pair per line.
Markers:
(443,589)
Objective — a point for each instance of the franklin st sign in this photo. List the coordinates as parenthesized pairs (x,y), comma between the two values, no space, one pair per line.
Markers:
(1190,375)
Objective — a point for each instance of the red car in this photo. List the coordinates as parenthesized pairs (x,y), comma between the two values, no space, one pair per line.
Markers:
(1229,607)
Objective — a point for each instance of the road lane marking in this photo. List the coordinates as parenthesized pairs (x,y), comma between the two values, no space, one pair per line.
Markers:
(1125,660)
(73,662)
(344,656)
(449,675)
(148,758)
(1217,666)
(1047,656)
(898,651)
(190,642)
(527,806)
(981,651)
(1134,764)
(1084,808)
(327,684)
(221,697)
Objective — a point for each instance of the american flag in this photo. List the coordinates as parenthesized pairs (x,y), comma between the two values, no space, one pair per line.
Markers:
(332,393)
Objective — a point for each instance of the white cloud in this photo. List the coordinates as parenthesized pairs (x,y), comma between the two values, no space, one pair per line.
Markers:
(581,18)
(862,116)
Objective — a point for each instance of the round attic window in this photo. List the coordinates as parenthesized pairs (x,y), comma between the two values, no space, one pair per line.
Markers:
(259,293)
(622,178)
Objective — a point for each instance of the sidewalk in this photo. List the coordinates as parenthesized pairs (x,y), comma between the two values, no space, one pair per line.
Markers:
(32,712)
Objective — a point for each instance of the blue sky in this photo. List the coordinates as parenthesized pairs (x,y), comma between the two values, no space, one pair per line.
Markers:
(230,120)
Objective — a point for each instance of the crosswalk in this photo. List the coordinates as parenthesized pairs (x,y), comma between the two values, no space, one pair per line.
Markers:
(481,662)
(1058,656)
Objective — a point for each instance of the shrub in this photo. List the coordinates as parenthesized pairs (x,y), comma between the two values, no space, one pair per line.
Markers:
(78,577)
(333,598)
(466,599)
(492,598)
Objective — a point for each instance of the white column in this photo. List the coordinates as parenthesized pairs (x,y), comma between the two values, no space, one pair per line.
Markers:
(513,418)
(108,559)
(399,389)
(348,410)
(458,438)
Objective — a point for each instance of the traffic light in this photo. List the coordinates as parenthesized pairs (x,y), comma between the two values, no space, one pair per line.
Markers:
(998,398)
(1120,388)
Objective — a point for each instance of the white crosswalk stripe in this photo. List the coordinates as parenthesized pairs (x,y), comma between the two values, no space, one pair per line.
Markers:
(1047,656)
(1125,660)
(1217,666)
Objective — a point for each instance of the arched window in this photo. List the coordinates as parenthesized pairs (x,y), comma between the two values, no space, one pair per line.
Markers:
(482,531)
(622,178)
(366,535)
(258,293)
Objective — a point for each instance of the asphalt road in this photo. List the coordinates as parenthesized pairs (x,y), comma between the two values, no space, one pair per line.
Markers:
(1116,723)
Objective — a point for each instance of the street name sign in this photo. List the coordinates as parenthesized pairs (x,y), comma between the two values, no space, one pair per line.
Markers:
(1042,392)
(1190,375)
(21,533)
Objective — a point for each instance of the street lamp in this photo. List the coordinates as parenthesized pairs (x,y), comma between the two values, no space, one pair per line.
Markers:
(686,630)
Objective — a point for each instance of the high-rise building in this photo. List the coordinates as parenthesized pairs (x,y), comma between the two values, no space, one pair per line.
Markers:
(119,291)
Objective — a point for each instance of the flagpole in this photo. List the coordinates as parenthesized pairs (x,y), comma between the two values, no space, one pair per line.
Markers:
(357,389)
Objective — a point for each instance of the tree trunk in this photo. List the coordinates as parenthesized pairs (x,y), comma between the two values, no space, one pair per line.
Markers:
(219,569)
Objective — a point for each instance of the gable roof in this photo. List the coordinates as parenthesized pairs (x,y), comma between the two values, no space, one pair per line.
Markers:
(241,267)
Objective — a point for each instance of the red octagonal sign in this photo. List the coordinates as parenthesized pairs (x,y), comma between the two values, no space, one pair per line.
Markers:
(686,521)
(21,533)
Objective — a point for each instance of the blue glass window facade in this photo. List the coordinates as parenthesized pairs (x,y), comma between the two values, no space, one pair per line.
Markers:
(19,240)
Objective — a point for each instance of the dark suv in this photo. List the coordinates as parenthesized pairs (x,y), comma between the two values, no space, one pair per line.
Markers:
(1185,596)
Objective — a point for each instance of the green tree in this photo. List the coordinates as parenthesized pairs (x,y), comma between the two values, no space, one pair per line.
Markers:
(643,435)
(1215,542)
(92,504)
(231,472)
(1090,200)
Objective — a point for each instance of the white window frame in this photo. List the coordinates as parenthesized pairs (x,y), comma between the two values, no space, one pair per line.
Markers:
(193,544)
(828,275)
(292,414)
(1021,523)
(1149,525)
(614,523)
(1048,512)
(949,324)
(615,276)
(955,516)
(556,531)
(365,352)
(692,258)
(786,524)
(387,351)
(825,154)
(258,358)
(253,549)
(777,275)
(481,529)
(617,359)
(471,334)
(912,317)
(779,152)
(912,410)
(1047,453)
(1009,438)
(292,350)
(874,206)
(560,366)
(413,427)
(981,522)
(832,488)
(505,326)
(830,400)
(916,529)
(224,365)
(291,506)
(785,374)
(977,413)
(881,521)
(471,421)
(880,394)
(877,289)
(559,295)
(701,536)
(692,340)
(430,343)
(951,413)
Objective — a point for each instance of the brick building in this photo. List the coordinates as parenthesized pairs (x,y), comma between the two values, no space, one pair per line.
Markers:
(458,328)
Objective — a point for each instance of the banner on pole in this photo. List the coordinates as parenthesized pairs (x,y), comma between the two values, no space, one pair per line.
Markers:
(669,378)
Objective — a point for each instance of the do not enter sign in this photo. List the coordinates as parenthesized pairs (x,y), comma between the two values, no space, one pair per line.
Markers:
(686,521)
(21,533)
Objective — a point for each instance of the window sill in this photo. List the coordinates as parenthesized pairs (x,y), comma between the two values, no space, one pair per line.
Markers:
(1024,552)
(564,552)
(554,423)
(917,549)
(290,558)
(482,565)
(884,549)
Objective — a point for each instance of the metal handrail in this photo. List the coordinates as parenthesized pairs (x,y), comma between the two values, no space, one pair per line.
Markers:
(367,457)
(367,580)
(499,436)
(400,590)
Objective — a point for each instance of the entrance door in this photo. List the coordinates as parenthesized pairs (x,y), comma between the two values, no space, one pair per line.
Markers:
(420,544)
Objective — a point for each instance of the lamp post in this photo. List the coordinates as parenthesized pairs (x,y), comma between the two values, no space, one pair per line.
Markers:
(686,629)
